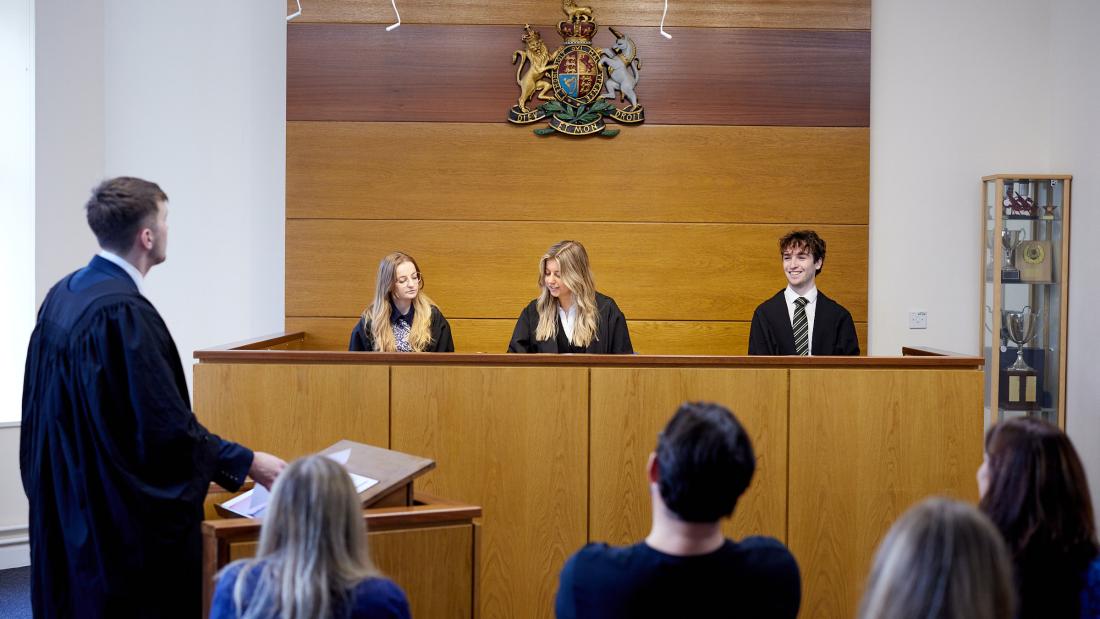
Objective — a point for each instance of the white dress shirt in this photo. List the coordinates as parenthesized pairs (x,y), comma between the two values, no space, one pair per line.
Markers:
(568,319)
(811,308)
(130,269)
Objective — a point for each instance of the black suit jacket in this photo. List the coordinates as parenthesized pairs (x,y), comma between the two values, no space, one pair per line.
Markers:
(771,332)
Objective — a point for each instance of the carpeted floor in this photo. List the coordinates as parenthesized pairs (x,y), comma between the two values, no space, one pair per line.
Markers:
(15,593)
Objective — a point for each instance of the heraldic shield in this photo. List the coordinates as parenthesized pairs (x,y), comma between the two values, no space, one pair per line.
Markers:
(580,77)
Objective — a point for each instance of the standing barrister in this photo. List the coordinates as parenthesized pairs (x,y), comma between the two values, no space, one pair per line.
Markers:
(801,320)
(114,463)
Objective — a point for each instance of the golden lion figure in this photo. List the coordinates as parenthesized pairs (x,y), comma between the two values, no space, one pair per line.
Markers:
(538,58)
(576,12)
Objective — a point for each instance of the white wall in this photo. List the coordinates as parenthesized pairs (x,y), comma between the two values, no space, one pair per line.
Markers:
(16,256)
(960,90)
(947,107)
(196,102)
(69,132)
(1076,147)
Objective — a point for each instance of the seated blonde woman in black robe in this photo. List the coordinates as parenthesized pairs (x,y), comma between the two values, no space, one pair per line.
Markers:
(570,316)
(401,318)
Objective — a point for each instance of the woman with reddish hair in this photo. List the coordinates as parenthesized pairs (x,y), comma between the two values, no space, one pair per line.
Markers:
(1034,489)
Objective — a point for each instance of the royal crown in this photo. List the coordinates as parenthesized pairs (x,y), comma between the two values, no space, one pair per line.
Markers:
(577,31)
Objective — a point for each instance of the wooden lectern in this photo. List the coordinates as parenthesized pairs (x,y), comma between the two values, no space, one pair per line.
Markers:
(426,544)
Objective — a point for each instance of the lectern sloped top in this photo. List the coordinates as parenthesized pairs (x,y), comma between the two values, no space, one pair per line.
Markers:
(392,469)
(395,472)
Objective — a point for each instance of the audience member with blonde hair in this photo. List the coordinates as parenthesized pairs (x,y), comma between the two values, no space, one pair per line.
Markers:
(569,316)
(401,318)
(312,561)
(1034,489)
(941,560)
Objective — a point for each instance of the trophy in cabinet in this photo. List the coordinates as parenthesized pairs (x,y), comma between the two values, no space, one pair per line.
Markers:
(1020,385)
(1010,239)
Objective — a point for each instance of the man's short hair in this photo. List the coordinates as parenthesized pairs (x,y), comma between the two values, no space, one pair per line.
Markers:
(808,239)
(705,462)
(120,207)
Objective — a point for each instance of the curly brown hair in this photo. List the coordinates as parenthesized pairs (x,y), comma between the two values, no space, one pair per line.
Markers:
(807,239)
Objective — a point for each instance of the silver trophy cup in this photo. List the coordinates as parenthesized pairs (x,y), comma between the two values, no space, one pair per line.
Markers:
(1010,240)
(1021,327)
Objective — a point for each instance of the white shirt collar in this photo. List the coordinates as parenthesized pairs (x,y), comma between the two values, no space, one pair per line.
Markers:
(568,320)
(130,269)
(790,295)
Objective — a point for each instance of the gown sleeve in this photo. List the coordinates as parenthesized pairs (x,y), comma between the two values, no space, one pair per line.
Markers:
(360,339)
(758,335)
(169,445)
(620,335)
(441,333)
(847,342)
(523,336)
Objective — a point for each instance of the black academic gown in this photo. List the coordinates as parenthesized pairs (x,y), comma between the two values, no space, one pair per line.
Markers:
(771,332)
(612,336)
(113,461)
(362,338)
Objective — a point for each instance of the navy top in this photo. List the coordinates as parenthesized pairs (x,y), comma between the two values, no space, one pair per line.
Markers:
(373,598)
(757,577)
(1090,594)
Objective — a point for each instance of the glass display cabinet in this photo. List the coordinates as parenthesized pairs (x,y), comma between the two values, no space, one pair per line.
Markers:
(1025,268)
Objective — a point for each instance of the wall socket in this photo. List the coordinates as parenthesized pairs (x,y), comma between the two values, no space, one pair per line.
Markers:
(918,319)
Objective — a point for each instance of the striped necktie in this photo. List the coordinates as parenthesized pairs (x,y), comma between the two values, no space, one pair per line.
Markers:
(801,327)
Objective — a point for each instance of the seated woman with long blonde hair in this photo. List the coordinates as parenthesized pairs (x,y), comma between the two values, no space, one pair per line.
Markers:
(312,562)
(942,559)
(569,316)
(401,318)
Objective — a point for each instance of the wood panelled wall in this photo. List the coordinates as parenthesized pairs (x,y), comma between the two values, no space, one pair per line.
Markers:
(757,123)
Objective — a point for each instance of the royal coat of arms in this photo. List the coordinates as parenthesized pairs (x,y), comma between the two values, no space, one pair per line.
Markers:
(576,80)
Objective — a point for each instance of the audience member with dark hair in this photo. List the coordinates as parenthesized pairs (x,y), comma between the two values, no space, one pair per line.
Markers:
(944,560)
(686,568)
(1034,489)
(313,561)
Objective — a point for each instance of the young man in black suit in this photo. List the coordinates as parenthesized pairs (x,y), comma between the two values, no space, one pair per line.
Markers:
(800,320)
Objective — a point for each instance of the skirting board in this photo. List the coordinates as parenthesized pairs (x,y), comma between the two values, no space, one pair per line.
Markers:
(15,550)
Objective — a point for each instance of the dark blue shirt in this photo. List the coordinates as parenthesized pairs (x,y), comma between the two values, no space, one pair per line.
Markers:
(373,598)
(757,577)
(1090,594)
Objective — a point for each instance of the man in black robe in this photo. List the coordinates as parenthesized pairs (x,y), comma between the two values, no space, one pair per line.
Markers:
(114,463)
(801,320)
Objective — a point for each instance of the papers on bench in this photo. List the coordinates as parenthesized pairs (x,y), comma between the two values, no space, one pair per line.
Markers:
(253,504)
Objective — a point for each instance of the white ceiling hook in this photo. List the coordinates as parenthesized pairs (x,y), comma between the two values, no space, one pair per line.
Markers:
(295,13)
(663,33)
(392,26)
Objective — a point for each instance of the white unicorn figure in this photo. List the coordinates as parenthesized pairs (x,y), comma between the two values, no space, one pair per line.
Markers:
(622,68)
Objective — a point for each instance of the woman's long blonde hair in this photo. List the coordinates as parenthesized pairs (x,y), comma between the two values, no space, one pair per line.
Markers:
(577,276)
(313,545)
(942,559)
(378,314)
